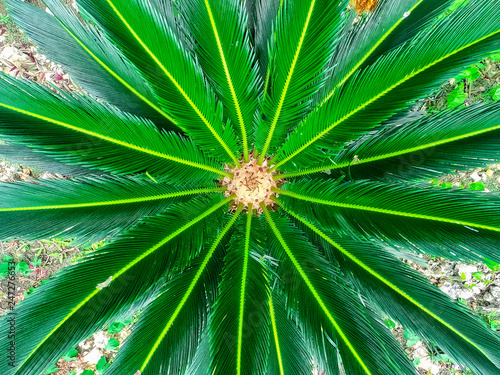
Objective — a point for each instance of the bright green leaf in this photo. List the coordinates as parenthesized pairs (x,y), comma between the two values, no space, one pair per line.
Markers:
(101,363)
(411,338)
(390,323)
(495,56)
(471,74)
(51,370)
(477,185)
(112,344)
(116,327)
(478,275)
(495,93)
(70,355)
(456,97)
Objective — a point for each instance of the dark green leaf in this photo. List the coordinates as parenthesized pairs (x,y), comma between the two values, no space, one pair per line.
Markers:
(395,214)
(394,80)
(137,262)
(88,208)
(423,149)
(70,355)
(147,37)
(305,33)
(76,129)
(227,57)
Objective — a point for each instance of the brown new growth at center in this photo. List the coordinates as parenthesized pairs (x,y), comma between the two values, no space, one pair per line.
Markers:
(251,183)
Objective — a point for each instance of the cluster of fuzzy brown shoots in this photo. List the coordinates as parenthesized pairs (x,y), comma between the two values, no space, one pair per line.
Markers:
(364,5)
(251,184)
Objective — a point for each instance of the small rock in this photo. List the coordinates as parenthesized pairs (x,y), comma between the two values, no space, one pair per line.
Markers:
(8,53)
(93,357)
(465,294)
(495,292)
(84,345)
(475,176)
(100,340)
(466,269)
(476,290)
(447,268)
(450,289)
(489,298)
(426,364)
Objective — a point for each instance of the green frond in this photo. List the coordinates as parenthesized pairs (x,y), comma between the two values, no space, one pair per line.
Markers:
(239,328)
(227,57)
(406,215)
(179,312)
(331,307)
(200,364)
(289,353)
(392,24)
(404,74)
(87,208)
(303,43)
(261,19)
(73,305)
(91,59)
(176,96)
(408,297)
(78,130)
(461,139)
(149,41)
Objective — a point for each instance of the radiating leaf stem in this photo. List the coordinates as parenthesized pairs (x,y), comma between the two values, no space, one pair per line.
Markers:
(236,102)
(175,83)
(192,285)
(374,273)
(363,59)
(373,99)
(387,155)
(246,253)
(118,201)
(382,210)
(310,286)
(121,80)
(275,333)
(118,142)
(287,83)
(134,262)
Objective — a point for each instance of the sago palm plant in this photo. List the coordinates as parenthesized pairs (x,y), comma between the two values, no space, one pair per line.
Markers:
(258,176)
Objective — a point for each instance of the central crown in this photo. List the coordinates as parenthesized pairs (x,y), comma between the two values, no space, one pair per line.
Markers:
(251,183)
